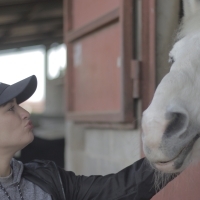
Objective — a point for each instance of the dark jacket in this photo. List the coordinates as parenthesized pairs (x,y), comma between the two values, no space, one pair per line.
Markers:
(132,183)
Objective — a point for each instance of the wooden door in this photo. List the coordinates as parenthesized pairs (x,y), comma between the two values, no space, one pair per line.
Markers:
(99,38)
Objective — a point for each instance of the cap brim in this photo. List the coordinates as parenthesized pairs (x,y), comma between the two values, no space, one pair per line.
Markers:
(21,90)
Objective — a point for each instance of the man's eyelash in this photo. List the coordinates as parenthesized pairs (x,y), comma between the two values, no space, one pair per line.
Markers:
(11,108)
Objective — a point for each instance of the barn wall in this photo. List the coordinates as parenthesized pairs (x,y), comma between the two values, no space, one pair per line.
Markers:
(100,151)
(94,150)
(91,150)
(101,148)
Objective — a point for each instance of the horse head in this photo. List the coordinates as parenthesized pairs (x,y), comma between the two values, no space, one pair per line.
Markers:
(171,123)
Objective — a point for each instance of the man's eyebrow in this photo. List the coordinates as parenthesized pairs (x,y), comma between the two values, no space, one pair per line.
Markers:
(11,101)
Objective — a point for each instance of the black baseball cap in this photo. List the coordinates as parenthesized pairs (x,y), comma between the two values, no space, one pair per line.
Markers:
(21,90)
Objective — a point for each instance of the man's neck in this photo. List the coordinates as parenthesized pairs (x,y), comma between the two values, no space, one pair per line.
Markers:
(5,168)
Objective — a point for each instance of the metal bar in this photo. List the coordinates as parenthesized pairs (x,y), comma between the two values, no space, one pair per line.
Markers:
(152,47)
(93,26)
(148,52)
(21,23)
(135,75)
(54,32)
(13,9)
(33,37)
(67,15)
(12,3)
(126,19)
(46,41)
(69,79)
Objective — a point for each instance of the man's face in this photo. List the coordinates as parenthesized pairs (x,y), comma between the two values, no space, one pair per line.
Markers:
(15,128)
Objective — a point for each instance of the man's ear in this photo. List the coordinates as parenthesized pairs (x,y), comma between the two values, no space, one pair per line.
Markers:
(190,7)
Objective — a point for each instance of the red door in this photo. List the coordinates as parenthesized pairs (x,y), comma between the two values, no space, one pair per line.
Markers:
(99,42)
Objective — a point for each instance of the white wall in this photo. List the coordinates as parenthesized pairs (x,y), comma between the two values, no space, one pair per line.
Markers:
(100,151)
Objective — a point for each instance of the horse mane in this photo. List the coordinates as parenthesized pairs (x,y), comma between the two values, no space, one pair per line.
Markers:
(189,26)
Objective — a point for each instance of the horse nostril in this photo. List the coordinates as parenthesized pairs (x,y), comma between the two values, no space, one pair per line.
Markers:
(177,125)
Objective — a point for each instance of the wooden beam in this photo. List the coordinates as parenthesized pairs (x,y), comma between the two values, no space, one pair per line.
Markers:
(109,116)
(94,25)
(46,41)
(38,36)
(7,3)
(20,23)
(17,8)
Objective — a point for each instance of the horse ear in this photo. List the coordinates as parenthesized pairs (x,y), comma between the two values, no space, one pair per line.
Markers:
(191,7)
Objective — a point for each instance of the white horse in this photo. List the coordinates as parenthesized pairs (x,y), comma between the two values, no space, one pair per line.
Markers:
(171,123)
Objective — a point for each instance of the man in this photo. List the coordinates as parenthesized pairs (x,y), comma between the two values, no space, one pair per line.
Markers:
(39,180)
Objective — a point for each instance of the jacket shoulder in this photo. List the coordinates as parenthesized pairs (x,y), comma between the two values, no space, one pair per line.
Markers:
(46,175)
(38,164)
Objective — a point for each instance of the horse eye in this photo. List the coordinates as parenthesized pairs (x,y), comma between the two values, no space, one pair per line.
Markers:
(171,60)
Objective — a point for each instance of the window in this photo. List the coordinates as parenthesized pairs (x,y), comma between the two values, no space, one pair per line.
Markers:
(56,61)
(21,63)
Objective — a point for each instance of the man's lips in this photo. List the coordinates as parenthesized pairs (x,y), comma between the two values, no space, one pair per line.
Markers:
(29,124)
